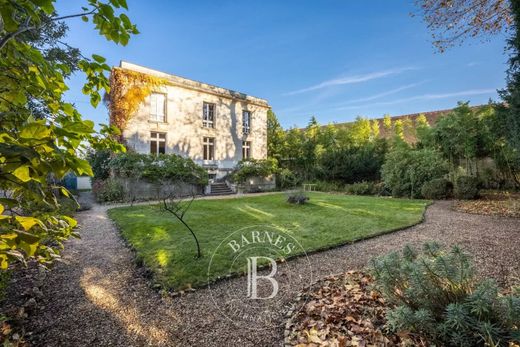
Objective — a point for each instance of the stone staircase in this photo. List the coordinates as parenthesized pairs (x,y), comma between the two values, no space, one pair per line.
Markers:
(220,188)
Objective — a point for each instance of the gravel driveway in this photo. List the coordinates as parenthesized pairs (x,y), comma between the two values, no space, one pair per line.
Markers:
(99,298)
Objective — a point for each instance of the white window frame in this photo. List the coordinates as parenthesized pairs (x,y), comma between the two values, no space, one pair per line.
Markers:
(246,122)
(155,136)
(246,149)
(206,121)
(208,148)
(157,114)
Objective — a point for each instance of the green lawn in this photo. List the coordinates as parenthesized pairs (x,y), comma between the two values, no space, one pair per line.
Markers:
(167,248)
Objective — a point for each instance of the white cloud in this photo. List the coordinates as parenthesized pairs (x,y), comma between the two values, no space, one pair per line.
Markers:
(470,92)
(380,95)
(352,79)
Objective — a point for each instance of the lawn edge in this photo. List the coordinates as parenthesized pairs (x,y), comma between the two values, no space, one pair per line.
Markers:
(149,275)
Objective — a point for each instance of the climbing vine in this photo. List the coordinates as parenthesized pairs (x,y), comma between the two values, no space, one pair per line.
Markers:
(128,89)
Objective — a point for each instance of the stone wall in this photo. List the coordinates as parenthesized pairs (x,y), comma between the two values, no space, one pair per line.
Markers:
(256,184)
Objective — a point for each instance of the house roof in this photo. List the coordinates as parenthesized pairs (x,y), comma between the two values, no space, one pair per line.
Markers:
(196,85)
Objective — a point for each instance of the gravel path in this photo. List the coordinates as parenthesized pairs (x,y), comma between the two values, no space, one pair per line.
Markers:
(99,298)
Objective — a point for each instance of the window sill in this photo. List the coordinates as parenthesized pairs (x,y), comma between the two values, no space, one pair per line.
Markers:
(156,122)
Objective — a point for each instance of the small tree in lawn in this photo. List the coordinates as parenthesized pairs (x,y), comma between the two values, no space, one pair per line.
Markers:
(178,204)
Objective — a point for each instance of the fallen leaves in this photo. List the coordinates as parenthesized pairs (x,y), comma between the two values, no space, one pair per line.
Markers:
(492,203)
(341,311)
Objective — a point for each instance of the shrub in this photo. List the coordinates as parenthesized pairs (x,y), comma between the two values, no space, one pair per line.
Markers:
(436,295)
(353,163)
(100,163)
(286,179)
(436,189)
(254,168)
(327,186)
(364,188)
(67,206)
(406,170)
(157,168)
(298,198)
(108,190)
(466,188)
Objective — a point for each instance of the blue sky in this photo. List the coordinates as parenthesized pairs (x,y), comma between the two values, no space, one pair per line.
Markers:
(331,59)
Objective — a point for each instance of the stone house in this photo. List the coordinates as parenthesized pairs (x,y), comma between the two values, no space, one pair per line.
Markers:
(215,127)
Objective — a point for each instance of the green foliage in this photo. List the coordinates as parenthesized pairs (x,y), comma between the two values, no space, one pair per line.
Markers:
(435,294)
(42,136)
(285,178)
(365,188)
(406,170)
(460,136)
(436,189)
(466,187)
(509,122)
(158,168)
(100,163)
(328,186)
(108,190)
(298,197)
(275,137)
(501,144)
(346,154)
(351,163)
(248,168)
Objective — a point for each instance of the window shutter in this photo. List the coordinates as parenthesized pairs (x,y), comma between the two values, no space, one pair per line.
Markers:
(153,104)
(160,105)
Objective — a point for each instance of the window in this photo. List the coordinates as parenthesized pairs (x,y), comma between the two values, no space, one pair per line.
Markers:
(208,115)
(246,122)
(157,143)
(157,107)
(246,149)
(208,148)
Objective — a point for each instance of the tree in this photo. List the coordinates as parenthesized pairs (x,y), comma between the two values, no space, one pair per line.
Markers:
(460,136)
(360,131)
(37,148)
(452,21)
(510,112)
(178,206)
(275,137)
(374,129)
(387,122)
(49,41)
(399,129)
(311,149)
(406,169)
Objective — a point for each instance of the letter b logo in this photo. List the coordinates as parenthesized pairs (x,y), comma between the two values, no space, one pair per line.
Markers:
(253,277)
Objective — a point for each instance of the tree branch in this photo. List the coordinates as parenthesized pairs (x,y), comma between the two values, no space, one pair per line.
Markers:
(26,26)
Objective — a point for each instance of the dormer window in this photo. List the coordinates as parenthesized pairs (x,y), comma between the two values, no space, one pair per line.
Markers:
(158,107)
(246,122)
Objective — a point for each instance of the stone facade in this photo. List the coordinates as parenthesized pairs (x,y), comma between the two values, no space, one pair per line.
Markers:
(182,129)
